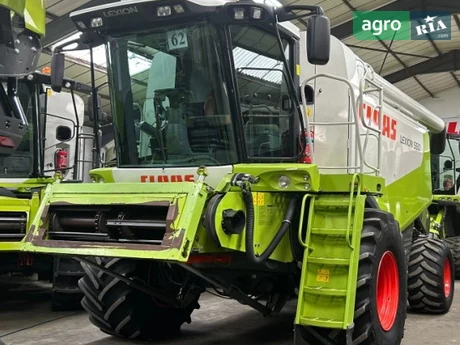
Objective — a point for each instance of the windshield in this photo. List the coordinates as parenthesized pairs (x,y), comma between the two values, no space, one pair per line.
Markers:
(266,105)
(20,162)
(445,169)
(171,104)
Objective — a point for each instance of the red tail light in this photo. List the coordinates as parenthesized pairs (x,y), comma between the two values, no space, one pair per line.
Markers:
(7,142)
(210,258)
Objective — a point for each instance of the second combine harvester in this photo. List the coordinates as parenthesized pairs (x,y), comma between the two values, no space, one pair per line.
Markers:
(231,177)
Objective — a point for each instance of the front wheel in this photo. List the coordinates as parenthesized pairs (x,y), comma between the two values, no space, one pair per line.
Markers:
(431,276)
(120,310)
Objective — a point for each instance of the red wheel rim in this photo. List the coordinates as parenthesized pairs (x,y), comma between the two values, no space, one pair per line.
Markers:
(447,278)
(387,290)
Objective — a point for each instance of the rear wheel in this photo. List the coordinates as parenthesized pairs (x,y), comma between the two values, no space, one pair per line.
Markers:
(123,311)
(66,295)
(380,305)
(431,276)
(454,244)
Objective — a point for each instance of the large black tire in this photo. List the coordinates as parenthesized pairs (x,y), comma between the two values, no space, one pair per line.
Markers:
(66,295)
(381,240)
(429,260)
(454,245)
(120,310)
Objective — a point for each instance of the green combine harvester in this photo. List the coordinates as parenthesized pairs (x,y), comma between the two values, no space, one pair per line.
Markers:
(231,177)
(444,213)
(40,134)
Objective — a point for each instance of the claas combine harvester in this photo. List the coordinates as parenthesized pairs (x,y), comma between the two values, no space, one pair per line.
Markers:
(255,159)
(444,213)
(42,141)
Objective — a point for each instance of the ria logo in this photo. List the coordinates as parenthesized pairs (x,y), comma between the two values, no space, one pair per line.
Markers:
(121,11)
(430,26)
(433,25)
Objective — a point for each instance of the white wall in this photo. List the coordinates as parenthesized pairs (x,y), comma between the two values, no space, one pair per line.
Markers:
(445,104)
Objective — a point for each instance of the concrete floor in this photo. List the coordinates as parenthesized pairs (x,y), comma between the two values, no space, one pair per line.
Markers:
(26,319)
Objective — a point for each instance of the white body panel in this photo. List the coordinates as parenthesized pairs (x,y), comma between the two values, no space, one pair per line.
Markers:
(335,146)
(61,104)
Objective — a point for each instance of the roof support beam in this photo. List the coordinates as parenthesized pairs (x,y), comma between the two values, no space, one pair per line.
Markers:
(444,63)
(384,51)
(345,30)
(63,27)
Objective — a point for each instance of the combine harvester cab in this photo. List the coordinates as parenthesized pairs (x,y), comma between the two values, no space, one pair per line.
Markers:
(23,26)
(224,179)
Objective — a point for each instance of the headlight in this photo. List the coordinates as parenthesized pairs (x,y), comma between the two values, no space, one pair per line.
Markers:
(284,181)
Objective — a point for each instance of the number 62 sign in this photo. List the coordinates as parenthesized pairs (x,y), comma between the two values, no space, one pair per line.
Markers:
(177,39)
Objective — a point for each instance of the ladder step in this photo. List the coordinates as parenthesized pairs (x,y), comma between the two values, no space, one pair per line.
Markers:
(73,290)
(69,274)
(321,322)
(329,232)
(332,203)
(324,291)
(328,261)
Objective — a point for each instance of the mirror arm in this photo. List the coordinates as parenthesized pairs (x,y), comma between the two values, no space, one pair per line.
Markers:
(286,13)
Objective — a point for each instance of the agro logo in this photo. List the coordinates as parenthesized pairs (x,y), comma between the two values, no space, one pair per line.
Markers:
(377,27)
(430,26)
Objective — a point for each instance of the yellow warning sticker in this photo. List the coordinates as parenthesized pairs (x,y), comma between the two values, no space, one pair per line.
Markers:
(260,201)
(308,111)
(298,69)
(322,275)
(50,92)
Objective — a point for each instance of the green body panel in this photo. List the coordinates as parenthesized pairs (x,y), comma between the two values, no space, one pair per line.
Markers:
(408,197)
(303,177)
(187,196)
(17,6)
(438,214)
(36,16)
(269,210)
(440,197)
(330,265)
(333,183)
(33,12)
(102,175)
(28,206)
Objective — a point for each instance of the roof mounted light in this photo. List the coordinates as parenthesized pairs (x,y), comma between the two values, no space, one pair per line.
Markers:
(179,9)
(164,11)
(256,13)
(97,22)
(238,13)
(81,25)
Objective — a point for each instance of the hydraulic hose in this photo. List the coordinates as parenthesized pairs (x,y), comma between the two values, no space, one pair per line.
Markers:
(248,201)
